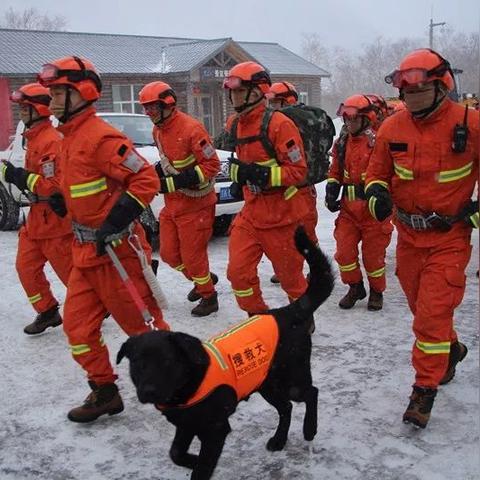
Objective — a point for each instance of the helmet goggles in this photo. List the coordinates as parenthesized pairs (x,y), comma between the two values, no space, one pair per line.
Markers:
(415,76)
(350,111)
(50,73)
(18,96)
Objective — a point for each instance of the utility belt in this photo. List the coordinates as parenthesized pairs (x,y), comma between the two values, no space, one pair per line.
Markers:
(354,192)
(85,234)
(34,198)
(428,221)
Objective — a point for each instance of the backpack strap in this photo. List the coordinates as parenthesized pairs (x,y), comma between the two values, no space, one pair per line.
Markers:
(262,137)
(342,149)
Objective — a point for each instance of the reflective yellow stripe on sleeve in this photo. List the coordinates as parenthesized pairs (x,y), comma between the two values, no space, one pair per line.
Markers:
(170,184)
(377,273)
(80,349)
(130,194)
(433,348)
(201,280)
(380,182)
(290,192)
(276,176)
(89,188)
(32,179)
(475,219)
(185,162)
(348,268)
(332,180)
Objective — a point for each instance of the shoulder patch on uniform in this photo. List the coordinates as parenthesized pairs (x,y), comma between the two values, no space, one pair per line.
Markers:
(133,162)
(122,150)
(48,167)
(293,151)
(398,147)
(207,149)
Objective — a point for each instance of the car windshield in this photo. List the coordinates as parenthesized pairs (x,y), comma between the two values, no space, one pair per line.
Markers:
(136,127)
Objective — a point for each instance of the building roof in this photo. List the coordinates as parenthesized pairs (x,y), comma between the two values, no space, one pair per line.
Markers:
(24,51)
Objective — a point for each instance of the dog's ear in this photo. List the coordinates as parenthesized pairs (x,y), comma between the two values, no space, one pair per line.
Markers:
(190,347)
(124,351)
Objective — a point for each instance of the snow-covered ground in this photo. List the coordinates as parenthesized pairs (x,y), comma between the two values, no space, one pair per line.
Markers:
(361,365)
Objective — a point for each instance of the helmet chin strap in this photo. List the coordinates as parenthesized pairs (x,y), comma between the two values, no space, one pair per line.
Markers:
(365,123)
(67,114)
(437,100)
(162,117)
(246,105)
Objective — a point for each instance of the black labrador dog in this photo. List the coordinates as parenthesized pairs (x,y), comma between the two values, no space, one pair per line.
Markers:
(197,386)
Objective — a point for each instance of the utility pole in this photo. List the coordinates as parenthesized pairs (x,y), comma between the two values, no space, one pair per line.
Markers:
(430,36)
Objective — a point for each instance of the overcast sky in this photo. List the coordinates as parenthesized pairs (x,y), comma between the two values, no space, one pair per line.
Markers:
(347,23)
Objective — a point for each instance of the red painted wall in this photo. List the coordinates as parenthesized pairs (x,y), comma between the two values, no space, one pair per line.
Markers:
(6,120)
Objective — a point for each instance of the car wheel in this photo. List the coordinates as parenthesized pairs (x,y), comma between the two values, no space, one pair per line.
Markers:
(9,211)
(221,225)
(150,225)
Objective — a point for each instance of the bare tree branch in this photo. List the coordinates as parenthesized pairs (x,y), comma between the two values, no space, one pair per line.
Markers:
(32,19)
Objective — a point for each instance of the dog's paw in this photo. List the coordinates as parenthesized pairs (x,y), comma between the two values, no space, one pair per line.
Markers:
(309,432)
(275,444)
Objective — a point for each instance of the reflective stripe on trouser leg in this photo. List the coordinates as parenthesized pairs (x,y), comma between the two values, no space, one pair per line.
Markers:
(30,263)
(440,288)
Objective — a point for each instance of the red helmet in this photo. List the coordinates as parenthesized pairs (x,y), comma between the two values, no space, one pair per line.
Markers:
(158,92)
(35,95)
(283,91)
(77,72)
(249,74)
(380,106)
(419,67)
(357,105)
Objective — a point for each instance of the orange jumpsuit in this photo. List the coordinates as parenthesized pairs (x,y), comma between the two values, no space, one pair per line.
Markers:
(269,217)
(354,223)
(239,357)
(414,158)
(45,237)
(186,222)
(98,165)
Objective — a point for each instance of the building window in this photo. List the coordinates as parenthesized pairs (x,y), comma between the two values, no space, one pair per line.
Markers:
(303,97)
(125,98)
(203,110)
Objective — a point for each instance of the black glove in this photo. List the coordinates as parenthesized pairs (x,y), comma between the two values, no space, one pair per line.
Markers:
(159,170)
(242,172)
(236,191)
(470,214)
(185,179)
(331,194)
(16,175)
(379,201)
(57,204)
(119,218)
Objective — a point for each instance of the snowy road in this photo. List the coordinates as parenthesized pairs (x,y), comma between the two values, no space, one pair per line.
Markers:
(361,365)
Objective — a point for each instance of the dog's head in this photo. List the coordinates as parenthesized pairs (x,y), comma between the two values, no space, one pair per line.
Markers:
(165,367)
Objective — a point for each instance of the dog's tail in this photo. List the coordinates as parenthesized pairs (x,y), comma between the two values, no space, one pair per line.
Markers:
(320,283)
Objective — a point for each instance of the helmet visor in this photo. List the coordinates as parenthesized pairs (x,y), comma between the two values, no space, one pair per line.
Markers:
(152,109)
(232,82)
(412,76)
(347,111)
(48,73)
(18,96)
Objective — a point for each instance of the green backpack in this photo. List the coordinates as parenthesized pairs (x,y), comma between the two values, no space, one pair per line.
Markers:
(317,132)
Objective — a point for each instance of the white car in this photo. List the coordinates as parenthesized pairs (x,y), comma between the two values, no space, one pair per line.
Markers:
(138,128)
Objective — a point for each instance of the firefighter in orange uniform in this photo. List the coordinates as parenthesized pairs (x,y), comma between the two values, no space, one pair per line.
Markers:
(426,162)
(281,95)
(45,237)
(351,155)
(273,207)
(187,169)
(105,185)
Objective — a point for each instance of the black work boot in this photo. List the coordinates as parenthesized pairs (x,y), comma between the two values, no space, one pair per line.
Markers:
(355,292)
(206,306)
(420,406)
(44,320)
(375,300)
(103,399)
(274,279)
(193,295)
(458,351)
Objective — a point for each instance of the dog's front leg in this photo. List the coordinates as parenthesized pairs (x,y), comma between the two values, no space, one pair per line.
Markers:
(284,409)
(179,449)
(210,450)
(310,419)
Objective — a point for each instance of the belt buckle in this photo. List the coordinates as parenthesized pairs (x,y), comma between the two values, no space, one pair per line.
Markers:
(418,222)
